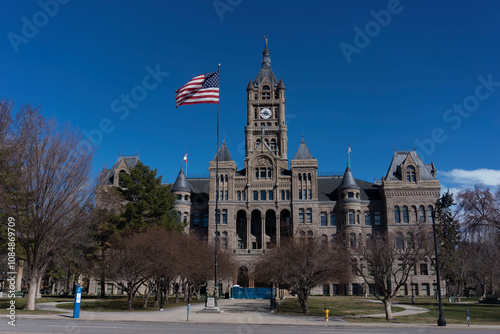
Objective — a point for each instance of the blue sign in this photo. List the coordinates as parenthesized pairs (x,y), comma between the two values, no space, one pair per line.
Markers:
(78,299)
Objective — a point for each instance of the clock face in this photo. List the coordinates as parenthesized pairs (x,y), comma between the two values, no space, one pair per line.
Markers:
(265,113)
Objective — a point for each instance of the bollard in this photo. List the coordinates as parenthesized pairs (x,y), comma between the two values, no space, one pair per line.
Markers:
(78,299)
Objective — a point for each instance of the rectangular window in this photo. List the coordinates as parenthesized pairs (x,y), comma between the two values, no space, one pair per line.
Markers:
(309,216)
(238,195)
(269,173)
(262,195)
(425,289)
(376,217)
(263,173)
(255,195)
(287,195)
(217,217)
(333,218)
(256,173)
(271,195)
(225,195)
(221,195)
(323,219)
(109,288)
(282,195)
(403,290)
(301,216)
(304,194)
(351,217)
(196,219)
(368,218)
(300,194)
(205,220)
(310,193)
(433,268)
(224,216)
(185,218)
(423,269)
(179,216)
(243,195)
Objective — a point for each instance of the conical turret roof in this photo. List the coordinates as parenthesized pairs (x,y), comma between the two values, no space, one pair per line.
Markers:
(348,182)
(182,184)
(223,153)
(303,152)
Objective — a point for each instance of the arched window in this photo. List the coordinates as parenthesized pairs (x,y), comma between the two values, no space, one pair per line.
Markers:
(324,239)
(266,94)
(405,214)
(309,177)
(421,216)
(302,234)
(352,240)
(273,144)
(300,177)
(397,217)
(410,174)
(333,238)
(400,242)
(309,234)
(430,214)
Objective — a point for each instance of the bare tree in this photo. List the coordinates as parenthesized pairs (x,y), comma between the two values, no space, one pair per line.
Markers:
(46,186)
(479,212)
(302,264)
(389,261)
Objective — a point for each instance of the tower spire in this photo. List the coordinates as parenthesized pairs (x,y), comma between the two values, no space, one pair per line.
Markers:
(266,59)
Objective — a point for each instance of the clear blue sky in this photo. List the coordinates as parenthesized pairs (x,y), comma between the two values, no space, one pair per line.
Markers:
(394,90)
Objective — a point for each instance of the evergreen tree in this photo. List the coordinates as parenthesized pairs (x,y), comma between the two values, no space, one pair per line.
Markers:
(149,203)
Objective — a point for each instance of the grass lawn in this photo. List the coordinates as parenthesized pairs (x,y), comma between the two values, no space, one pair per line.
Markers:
(21,304)
(118,305)
(454,313)
(338,306)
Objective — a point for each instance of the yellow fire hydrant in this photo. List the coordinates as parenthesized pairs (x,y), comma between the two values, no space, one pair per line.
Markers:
(326,311)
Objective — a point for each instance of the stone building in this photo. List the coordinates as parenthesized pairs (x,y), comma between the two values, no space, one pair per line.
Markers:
(273,197)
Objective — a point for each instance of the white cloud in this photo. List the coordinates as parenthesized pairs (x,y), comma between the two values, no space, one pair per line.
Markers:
(489,177)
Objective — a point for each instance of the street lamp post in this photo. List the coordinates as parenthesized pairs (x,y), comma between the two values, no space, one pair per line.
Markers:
(441,320)
(162,285)
(412,292)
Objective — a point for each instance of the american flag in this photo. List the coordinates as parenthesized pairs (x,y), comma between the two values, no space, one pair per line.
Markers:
(185,157)
(203,88)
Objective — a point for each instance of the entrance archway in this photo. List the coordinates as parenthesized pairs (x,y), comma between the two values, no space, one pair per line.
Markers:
(286,225)
(243,278)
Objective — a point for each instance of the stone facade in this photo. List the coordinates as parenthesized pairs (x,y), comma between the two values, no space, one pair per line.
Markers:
(273,198)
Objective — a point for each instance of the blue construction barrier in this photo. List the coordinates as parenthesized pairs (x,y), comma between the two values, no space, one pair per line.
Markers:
(251,293)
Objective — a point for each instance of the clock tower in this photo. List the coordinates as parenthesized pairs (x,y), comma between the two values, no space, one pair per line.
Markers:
(266,129)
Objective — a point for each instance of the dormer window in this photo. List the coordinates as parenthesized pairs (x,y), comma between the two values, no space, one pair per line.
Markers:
(266,92)
(410,174)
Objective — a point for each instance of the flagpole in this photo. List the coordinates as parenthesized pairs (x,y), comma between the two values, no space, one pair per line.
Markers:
(186,163)
(217,216)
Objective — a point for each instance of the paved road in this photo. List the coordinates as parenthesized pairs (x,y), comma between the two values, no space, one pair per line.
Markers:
(239,316)
(33,326)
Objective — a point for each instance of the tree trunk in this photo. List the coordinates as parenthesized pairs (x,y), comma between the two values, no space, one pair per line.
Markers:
(38,284)
(388,310)
(303,297)
(30,300)
(167,292)
(130,301)
(19,276)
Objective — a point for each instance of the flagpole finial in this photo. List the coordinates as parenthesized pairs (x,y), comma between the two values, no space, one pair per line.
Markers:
(265,39)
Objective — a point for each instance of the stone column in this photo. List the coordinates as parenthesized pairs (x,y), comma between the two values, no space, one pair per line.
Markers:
(263,231)
(278,225)
(249,246)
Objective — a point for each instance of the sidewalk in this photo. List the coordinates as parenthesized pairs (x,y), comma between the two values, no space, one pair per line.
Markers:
(247,312)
